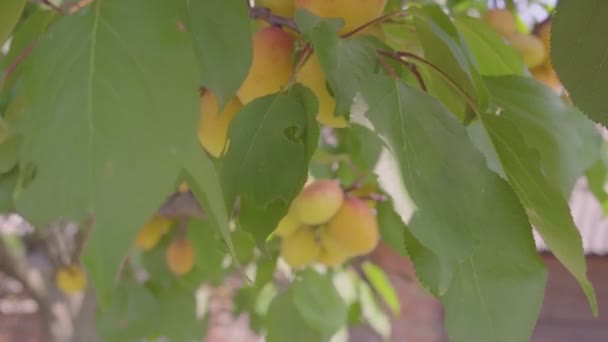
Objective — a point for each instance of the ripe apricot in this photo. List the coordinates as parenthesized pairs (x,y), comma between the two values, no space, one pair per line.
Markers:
(151,233)
(501,20)
(354,12)
(318,202)
(71,279)
(213,125)
(272,64)
(180,256)
(287,226)
(311,75)
(530,47)
(301,248)
(354,227)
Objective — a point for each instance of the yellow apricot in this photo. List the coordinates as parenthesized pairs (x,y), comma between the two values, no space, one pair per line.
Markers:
(545,74)
(354,227)
(271,66)
(332,253)
(284,8)
(180,256)
(213,125)
(501,20)
(71,279)
(311,75)
(287,226)
(183,187)
(318,202)
(530,47)
(151,233)
(354,12)
(301,248)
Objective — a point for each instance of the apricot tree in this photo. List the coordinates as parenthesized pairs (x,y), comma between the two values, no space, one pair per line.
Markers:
(199,139)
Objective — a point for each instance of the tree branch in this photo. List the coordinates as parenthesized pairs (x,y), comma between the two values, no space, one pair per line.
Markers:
(263,13)
(181,205)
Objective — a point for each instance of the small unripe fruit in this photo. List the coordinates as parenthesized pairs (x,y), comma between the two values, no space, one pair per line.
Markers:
(213,126)
(354,227)
(530,47)
(151,233)
(501,20)
(301,248)
(180,256)
(71,279)
(287,226)
(271,66)
(318,202)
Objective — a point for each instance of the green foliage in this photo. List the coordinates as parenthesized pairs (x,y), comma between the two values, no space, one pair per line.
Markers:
(10,12)
(457,149)
(224,25)
(578,51)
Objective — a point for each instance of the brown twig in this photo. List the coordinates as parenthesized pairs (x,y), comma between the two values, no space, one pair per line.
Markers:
(52,6)
(263,13)
(18,60)
(412,67)
(181,205)
(374,21)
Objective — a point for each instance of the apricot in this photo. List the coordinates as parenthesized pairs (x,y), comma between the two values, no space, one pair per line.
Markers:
(71,279)
(332,258)
(530,47)
(180,256)
(287,226)
(284,8)
(311,75)
(353,228)
(301,248)
(271,66)
(151,233)
(354,12)
(318,202)
(501,20)
(183,187)
(546,74)
(213,125)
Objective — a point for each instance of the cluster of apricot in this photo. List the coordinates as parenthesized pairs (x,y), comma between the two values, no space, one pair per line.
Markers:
(273,66)
(325,226)
(180,254)
(535,48)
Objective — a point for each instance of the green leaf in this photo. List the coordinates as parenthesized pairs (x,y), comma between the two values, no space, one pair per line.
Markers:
(8,183)
(209,258)
(497,293)
(445,49)
(261,221)
(433,153)
(492,56)
(283,320)
(244,245)
(25,37)
(318,302)
(391,227)
(271,143)
(578,54)
(346,62)
(108,124)
(223,45)
(383,286)
(545,204)
(10,12)
(9,153)
(567,142)
(431,273)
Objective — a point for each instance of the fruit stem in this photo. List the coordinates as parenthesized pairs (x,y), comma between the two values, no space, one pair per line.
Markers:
(405,54)
(377,20)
